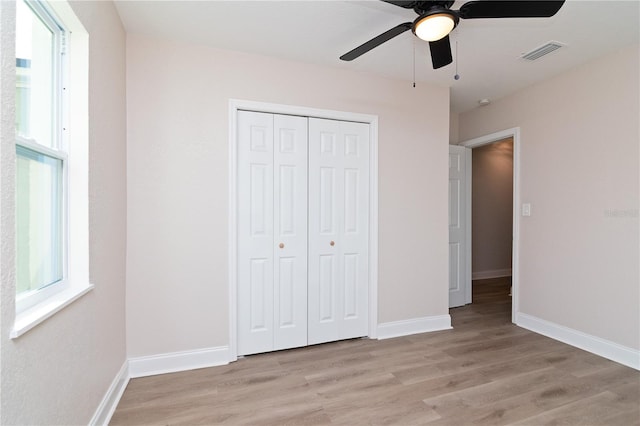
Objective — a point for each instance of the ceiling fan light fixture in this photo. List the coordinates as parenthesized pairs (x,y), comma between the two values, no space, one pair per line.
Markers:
(435,25)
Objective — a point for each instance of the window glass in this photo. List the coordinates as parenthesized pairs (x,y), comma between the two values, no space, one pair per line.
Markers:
(39,220)
(34,77)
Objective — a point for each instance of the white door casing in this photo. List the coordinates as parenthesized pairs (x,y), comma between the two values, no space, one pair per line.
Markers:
(459,244)
(272,232)
(338,230)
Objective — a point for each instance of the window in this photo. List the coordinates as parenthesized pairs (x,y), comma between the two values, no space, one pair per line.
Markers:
(51,178)
(40,153)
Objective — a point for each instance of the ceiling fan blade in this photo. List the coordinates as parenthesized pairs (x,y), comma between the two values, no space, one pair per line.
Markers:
(440,52)
(405,4)
(376,41)
(509,9)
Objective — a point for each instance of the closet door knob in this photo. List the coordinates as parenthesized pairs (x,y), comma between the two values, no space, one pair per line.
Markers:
(281,245)
(332,243)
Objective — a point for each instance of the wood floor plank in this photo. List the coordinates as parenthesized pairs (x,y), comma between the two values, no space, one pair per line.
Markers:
(486,371)
(595,410)
(515,398)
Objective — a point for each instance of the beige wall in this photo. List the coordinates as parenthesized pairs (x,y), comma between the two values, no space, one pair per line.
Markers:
(177,102)
(579,170)
(58,372)
(454,122)
(492,207)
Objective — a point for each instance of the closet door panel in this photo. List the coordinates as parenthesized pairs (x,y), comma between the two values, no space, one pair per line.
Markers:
(255,232)
(290,231)
(355,231)
(338,230)
(325,193)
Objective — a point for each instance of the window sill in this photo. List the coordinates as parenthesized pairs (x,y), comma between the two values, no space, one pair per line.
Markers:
(28,319)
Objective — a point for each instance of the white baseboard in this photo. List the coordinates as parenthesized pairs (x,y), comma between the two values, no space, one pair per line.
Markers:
(392,329)
(495,273)
(108,405)
(178,361)
(605,348)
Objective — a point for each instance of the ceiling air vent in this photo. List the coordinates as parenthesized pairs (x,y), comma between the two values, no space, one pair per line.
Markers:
(542,50)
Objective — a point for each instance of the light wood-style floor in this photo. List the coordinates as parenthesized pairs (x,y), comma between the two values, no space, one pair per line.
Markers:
(484,371)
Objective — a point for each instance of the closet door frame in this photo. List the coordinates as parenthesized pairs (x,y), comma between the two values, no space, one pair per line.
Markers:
(236,105)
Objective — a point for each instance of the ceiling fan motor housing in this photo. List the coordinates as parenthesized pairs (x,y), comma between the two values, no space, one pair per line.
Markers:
(422,7)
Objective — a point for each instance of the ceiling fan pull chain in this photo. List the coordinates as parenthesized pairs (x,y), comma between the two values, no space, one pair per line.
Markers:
(414,63)
(457,76)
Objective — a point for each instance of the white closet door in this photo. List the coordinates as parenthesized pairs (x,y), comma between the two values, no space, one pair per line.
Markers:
(255,232)
(290,230)
(272,211)
(338,230)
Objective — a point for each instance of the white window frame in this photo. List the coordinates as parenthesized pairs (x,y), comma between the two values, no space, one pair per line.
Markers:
(70,110)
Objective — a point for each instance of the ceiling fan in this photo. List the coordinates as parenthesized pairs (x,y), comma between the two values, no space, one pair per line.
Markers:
(436,20)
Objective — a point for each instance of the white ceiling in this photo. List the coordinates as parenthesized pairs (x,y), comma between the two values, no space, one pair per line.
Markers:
(319,32)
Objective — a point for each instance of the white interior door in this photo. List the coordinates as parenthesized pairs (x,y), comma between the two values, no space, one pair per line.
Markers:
(338,230)
(290,230)
(272,232)
(459,275)
(255,232)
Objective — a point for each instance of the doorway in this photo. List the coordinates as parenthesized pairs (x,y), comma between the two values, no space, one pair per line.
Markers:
(491,219)
(513,134)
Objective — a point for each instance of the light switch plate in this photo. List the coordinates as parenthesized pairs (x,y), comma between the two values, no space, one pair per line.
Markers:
(526,209)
